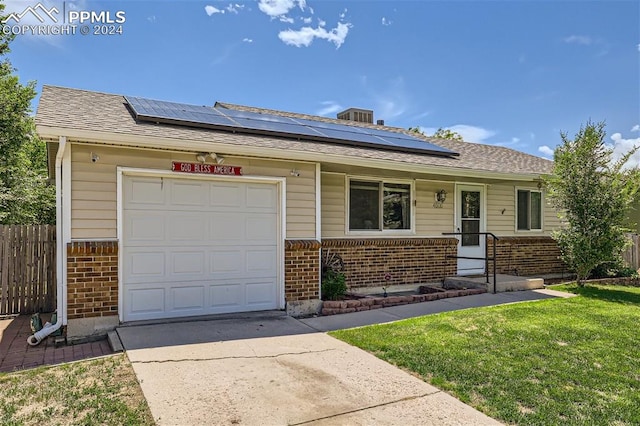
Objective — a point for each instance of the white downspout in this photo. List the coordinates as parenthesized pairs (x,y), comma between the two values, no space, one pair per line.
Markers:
(49,328)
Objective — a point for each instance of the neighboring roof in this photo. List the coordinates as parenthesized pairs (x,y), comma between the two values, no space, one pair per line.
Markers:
(66,112)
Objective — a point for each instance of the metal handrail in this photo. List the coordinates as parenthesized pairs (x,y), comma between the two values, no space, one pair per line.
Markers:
(486,257)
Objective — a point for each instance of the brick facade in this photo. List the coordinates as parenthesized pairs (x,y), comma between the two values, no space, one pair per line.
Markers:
(380,262)
(527,256)
(92,279)
(301,270)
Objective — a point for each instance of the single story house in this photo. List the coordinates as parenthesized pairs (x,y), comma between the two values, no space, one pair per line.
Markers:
(169,210)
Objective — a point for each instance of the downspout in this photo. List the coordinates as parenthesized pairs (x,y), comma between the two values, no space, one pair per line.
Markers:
(49,328)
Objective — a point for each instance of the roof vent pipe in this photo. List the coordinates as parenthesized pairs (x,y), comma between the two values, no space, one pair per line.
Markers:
(380,122)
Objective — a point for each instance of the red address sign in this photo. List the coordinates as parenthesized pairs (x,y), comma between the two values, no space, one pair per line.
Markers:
(207,169)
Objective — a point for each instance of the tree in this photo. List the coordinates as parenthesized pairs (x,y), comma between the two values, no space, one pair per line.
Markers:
(441,133)
(594,194)
(25,195)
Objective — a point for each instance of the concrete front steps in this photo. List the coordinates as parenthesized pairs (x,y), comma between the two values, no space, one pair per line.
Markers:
(503,283)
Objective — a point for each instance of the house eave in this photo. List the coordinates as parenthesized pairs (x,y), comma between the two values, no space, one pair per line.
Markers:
(152,142)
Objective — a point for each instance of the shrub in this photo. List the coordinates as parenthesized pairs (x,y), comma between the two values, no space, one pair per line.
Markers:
(333,285)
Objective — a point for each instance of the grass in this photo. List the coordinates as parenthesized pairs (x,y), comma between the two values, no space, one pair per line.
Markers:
(97,392)
(557,361)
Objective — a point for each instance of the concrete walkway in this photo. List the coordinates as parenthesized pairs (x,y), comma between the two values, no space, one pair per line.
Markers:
(270,369)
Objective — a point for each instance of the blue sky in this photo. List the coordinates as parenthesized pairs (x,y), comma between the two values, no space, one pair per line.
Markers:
(512,73)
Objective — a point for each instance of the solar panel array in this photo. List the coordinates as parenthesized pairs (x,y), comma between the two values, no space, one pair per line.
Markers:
(277,125)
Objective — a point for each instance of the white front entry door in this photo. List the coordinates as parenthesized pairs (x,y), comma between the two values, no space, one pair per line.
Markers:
(470,218)
(198,247)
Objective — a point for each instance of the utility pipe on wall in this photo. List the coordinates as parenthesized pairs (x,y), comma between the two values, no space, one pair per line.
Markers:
(48,329)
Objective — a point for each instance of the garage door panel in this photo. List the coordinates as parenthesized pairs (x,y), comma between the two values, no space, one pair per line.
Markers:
(145,265)
(261,294)
(188,263)
(261,261)
(186,227)
(226,195)
(261,197)
(260,228)
(187,298)
(227,261)
(188,194)
(227,296)
(227,227)
(198,247)
(144,227)
(144,192)
(146,302)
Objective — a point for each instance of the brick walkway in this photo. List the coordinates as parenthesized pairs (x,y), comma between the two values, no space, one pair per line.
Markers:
(16,354)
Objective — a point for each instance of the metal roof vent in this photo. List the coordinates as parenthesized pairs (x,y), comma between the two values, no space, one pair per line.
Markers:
(380,122)
(357,114)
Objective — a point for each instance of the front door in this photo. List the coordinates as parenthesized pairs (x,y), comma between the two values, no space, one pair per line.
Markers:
(469,221)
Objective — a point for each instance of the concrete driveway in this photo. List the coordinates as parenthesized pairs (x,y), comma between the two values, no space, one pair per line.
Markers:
(275,370)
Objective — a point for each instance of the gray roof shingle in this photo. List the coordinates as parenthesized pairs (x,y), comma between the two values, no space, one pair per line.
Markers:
(76,109)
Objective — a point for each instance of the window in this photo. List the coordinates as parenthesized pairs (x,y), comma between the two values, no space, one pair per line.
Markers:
(379,206)
(529,215)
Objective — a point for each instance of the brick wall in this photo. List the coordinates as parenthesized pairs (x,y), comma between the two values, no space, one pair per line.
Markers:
(527,256)
(301,270)
(92,279)
(369,262)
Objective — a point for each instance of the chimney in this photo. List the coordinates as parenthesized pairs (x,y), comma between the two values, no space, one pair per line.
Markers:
(357,114)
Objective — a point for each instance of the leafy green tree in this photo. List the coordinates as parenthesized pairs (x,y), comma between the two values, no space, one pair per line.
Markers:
(25,195)
(441,133)
(594,194)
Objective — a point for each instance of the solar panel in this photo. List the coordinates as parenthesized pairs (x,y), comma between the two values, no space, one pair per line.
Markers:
(175,113)
(299,128)
(277,127)
(331,126)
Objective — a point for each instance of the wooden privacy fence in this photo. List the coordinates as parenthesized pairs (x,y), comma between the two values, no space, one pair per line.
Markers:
(631,255)
(27,269)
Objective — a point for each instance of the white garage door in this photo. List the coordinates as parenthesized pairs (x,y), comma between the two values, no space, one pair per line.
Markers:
(193,247)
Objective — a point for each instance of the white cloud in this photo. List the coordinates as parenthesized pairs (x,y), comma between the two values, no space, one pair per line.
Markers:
(472,133)
(151,18)
(622,146)
(286,19)
(386,22)
(329,107)
(247,40)
(277,8)
(636,128)
(234,8)
(212,10)
(515,140)
(321,23)
(532,136)
(638,47)
(307,20)
(578,39)
(546,151)
(343,14)
(305,35)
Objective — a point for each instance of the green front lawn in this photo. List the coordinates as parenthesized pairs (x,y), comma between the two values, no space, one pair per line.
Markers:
(557,361)
(104,391)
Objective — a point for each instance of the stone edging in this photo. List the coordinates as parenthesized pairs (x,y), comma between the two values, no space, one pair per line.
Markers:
(331,307)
